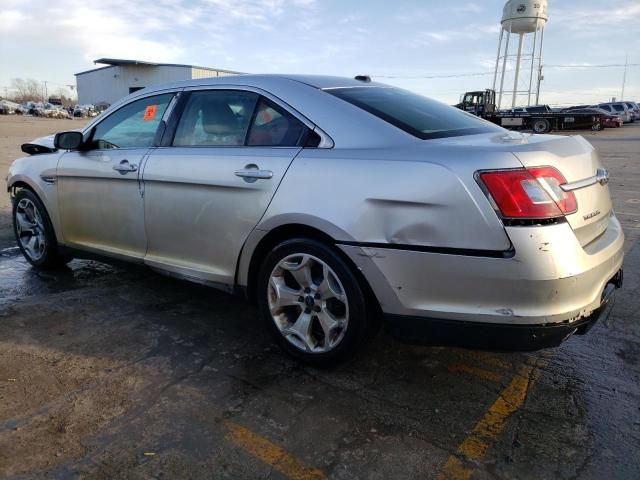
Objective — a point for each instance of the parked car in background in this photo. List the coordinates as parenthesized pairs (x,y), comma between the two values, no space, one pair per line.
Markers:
(609,120)
(82,111)
(634,108)
(8,107)
(618,108)
(332,202)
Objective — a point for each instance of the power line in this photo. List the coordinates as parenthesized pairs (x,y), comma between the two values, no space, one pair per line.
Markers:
(478,74)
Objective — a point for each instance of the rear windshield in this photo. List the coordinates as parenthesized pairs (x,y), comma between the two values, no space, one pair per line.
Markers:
(415,114)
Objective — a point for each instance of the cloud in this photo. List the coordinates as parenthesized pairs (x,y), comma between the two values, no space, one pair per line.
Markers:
(161,30)
(468,7)
(469,32)
(586,20)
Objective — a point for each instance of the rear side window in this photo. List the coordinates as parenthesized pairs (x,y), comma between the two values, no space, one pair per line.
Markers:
(274,127)
(420,116)
(618,107)
(132,126)
(216,118)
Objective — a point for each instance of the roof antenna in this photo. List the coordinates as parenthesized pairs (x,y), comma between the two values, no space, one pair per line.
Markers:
(363,78)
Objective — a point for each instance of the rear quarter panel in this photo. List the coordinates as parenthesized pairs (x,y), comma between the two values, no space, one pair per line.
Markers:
(408,196)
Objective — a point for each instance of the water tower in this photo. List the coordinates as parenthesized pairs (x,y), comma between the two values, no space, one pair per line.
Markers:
(522,18)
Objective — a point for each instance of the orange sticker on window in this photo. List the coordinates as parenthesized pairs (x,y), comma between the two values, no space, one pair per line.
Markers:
(150,112)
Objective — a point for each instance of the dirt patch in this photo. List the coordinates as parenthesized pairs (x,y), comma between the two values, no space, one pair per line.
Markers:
(14,131)
(18,129)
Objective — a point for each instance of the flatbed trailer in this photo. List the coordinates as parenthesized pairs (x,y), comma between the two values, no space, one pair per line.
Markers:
(482,104)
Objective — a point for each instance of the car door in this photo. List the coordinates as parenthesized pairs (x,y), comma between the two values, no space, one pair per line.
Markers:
(212,182)
(99,195)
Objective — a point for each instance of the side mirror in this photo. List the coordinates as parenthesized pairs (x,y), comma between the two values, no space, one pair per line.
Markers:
(68,140)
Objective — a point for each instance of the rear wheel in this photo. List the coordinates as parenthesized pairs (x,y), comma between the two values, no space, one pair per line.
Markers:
(541,125)
(34,232)
(312,302)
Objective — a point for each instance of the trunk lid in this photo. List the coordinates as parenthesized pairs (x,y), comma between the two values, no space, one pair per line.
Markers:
(579,163)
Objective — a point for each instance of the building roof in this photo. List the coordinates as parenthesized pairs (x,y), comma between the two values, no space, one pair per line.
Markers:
(116,62)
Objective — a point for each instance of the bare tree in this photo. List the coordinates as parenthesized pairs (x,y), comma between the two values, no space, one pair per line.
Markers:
(26,90)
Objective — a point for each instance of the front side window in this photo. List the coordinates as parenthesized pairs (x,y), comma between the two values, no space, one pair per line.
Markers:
(216,118)
(618,107)
(420,116)
(132,126)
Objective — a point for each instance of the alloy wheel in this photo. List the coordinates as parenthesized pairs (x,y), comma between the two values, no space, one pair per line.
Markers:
(308,303)
(30,228)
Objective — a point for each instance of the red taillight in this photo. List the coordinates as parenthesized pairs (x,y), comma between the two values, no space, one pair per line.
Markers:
(529,193)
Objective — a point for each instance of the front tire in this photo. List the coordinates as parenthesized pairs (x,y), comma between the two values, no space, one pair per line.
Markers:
(34,232)
(312,302)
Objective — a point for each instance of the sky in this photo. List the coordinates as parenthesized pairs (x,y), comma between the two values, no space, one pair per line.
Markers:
(402,42)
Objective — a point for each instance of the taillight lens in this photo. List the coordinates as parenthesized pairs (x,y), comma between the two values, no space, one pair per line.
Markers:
(529,193)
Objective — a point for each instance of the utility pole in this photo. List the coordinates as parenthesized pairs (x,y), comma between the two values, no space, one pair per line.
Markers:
(624,76)
(46,92)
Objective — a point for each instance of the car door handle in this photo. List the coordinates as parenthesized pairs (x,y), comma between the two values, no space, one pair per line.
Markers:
(125,167)
(254,174)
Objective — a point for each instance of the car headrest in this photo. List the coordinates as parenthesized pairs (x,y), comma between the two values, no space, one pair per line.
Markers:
(217,117)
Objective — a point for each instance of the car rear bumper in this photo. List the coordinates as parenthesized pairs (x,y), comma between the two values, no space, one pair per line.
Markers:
(495,336)
(549,282)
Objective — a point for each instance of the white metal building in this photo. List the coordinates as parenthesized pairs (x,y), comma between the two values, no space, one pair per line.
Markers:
(122,77)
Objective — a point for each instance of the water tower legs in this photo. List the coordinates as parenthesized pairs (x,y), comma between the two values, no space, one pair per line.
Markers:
(504,68)
(495,72)
(515,81)
(533,61)
(540,66)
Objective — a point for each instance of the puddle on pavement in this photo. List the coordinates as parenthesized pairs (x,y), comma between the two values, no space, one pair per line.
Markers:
(18,279)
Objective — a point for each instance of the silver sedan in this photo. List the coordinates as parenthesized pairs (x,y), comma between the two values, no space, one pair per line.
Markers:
(334,203)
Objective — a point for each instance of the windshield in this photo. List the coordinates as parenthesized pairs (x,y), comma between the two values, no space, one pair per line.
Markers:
(420,116)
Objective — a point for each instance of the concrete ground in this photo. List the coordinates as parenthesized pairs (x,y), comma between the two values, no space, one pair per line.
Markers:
(116,372)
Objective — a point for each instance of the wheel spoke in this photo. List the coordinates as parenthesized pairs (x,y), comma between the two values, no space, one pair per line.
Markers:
(328,322)
(328,288)
(284,296)
(30,246)
(24,224)
(301,271)
(302,330)
(38,219)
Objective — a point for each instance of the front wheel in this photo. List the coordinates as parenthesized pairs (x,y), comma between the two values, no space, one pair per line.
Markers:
(34,232)
(312,302)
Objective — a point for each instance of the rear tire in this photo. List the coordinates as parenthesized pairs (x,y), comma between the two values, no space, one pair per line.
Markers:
(34,232)
(541,125)
(312,302)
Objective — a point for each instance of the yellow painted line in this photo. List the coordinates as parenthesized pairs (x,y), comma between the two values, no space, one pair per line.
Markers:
(475,446)
(475,371)
(270,453)
(491,360)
